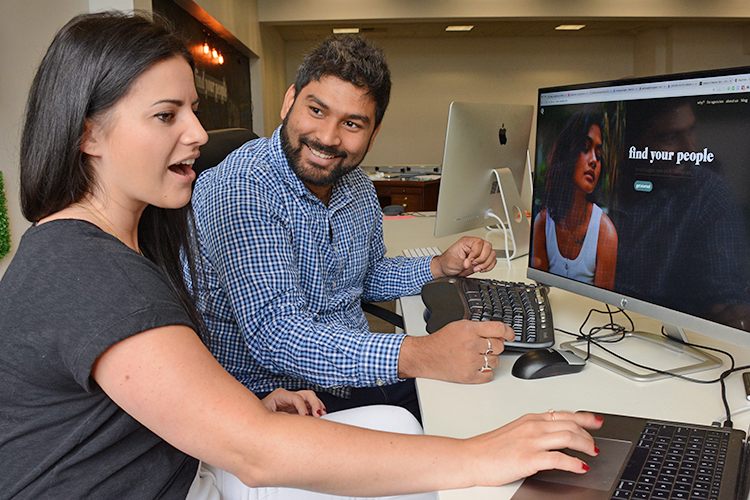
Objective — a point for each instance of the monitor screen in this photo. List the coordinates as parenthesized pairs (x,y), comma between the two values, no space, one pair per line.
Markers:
(641,197)
(480,139)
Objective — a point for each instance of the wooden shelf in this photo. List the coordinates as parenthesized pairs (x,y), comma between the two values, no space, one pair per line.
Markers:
(413,195)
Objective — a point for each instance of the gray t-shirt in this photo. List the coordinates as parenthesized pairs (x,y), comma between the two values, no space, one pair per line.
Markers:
(71,292)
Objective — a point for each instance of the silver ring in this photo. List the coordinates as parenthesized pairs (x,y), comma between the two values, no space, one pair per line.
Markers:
(552,413)
(486,367)
(489,347)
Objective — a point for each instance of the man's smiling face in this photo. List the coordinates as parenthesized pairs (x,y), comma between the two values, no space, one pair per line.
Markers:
(328,128)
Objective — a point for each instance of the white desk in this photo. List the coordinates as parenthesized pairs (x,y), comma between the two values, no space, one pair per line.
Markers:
(458,410)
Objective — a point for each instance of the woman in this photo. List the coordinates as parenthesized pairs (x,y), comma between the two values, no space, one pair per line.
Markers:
(108,392)
(572,236)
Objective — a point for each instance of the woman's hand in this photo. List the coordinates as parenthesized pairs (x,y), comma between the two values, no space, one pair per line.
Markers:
(533,443)
(300,402)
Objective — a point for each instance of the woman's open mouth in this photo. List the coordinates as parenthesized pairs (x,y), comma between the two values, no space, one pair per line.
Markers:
(184,167)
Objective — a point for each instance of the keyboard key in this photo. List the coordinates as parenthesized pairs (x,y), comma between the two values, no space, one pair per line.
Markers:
(523,307)
(675,462)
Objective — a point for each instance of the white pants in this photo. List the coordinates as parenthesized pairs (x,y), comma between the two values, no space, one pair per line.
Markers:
(215,484)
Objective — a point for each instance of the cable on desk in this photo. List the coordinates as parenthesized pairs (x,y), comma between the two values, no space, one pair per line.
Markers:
(615,330)
(502,227)
(718,420)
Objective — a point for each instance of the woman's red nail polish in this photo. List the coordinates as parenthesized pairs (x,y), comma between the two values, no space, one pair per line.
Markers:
(596,450)
(598,418)
(586,467)
(320,412)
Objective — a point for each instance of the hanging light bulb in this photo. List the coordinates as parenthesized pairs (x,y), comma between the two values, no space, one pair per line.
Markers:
(215,54)
(221,59)
(206,48)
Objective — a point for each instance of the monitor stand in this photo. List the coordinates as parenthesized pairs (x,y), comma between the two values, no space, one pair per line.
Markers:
(510,213)
(686,359)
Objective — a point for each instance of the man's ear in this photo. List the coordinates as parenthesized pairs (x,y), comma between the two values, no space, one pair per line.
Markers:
(288,101)
(90,140)
(372,137)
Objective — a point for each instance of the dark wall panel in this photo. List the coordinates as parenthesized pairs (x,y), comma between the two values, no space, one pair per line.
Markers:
(224,89)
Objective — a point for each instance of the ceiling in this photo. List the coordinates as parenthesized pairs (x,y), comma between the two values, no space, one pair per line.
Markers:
(494,28)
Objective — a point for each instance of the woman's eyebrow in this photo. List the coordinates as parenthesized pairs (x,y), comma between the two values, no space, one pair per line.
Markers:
(176,102)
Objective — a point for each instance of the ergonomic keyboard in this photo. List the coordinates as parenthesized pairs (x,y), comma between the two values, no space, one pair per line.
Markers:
(522,306)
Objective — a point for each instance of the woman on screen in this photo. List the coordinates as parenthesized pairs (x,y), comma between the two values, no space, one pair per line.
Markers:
(108,389)
(572,236)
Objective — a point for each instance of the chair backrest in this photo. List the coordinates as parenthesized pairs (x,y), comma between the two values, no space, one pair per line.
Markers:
(220,143)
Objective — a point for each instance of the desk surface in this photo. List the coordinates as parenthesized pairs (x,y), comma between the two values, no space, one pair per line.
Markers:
(459,410)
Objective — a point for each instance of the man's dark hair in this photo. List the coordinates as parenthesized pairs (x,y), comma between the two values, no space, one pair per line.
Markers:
(354,60)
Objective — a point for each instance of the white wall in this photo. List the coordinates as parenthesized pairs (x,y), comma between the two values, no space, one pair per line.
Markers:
(708,48)
(325,10)
(428,74)
(26,29)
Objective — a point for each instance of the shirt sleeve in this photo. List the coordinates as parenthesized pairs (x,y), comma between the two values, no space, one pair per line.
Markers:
(247,237)
(389,278)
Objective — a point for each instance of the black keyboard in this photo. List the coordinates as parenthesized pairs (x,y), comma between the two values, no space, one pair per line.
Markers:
(523,307)
(675,462)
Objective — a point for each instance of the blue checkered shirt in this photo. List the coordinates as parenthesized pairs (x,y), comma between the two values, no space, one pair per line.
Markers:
(284,275)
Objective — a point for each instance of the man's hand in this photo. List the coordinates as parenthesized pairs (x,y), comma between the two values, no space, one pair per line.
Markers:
(467,256)
(299,402)
(458,352)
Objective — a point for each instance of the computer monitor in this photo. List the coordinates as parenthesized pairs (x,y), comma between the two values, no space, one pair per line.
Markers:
(641,198)
(485,161)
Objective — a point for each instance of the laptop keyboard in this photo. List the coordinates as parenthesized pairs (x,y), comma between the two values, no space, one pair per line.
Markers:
(675,462)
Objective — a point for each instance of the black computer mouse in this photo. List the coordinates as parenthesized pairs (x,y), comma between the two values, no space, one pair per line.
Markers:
(542,363)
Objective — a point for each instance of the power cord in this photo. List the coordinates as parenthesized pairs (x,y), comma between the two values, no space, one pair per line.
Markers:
(616,332)
(718,420)
(506,230)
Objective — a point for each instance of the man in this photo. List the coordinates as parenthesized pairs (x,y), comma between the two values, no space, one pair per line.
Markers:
(291,235)
(683,242)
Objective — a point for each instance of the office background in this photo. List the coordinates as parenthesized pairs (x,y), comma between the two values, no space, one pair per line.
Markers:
(512,51)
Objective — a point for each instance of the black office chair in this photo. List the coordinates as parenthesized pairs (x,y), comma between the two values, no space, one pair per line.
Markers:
(384,314)
(220,143)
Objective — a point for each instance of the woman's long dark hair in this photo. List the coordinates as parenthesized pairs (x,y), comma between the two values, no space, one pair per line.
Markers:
(90,65)
(559,188)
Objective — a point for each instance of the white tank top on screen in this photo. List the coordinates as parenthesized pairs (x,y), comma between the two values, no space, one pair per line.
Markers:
(583,267)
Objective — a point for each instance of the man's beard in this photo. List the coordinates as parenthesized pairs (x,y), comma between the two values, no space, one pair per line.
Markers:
(294,158)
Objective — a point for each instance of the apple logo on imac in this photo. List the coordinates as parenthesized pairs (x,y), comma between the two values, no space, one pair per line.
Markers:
(502,136)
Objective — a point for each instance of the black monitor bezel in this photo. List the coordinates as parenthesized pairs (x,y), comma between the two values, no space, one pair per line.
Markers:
(657,312)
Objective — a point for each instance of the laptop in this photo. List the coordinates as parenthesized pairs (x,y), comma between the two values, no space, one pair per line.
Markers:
(652,459)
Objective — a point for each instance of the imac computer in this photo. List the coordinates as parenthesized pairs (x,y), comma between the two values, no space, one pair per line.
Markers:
(485,161)
(642,201)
